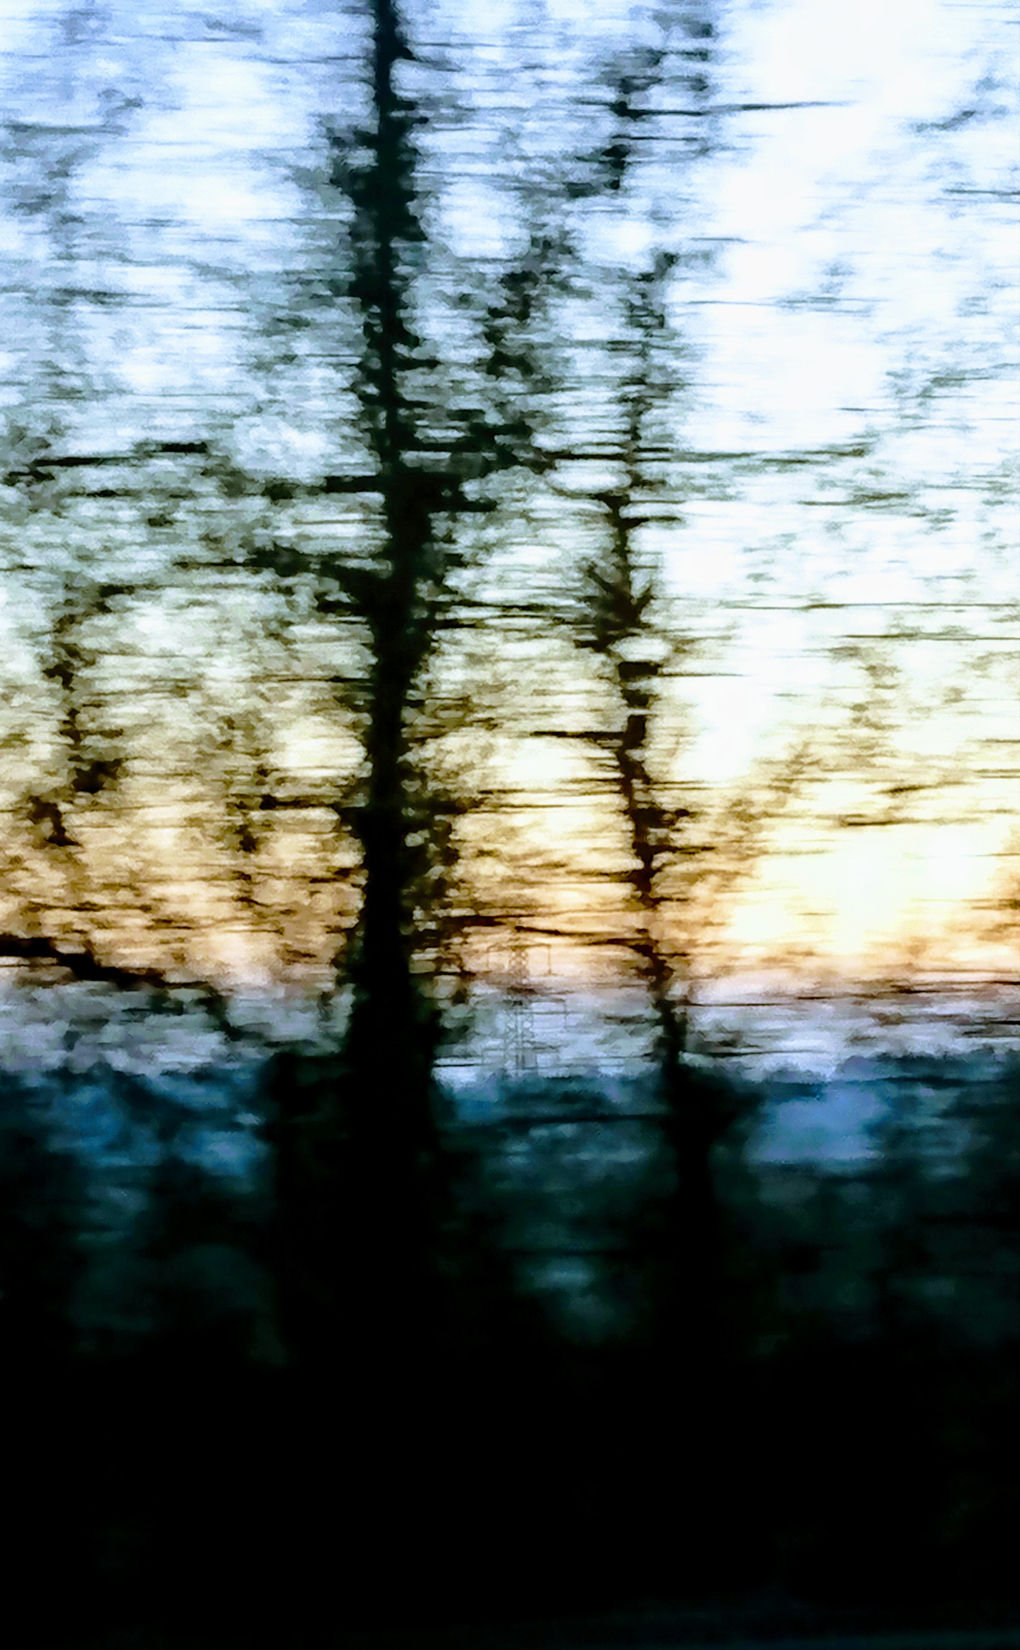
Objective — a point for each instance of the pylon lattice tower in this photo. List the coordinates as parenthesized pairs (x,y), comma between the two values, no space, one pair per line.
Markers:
(519,1054)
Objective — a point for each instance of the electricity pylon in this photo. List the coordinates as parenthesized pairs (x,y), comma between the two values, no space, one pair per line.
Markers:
(519,1054)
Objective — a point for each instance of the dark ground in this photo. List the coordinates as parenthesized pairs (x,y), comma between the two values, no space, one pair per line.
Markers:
(654,1629)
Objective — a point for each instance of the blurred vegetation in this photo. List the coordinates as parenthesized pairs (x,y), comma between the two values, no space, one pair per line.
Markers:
(368,659)
(241,1410)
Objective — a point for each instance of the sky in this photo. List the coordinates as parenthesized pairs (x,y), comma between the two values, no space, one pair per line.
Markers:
(842,203)
(868,296)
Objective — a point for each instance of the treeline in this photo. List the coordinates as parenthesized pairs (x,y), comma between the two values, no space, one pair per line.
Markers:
(237,1407)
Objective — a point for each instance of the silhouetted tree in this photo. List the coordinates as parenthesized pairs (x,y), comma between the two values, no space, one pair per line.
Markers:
(678,840)
(359,1184)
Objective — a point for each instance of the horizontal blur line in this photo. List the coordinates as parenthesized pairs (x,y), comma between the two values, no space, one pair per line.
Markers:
(812,607)
(562,1251)
(880,993)
(496,1124)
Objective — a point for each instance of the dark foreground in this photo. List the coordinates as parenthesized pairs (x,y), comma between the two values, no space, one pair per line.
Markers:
(809,1430)
(653,1630)
(267,1513)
